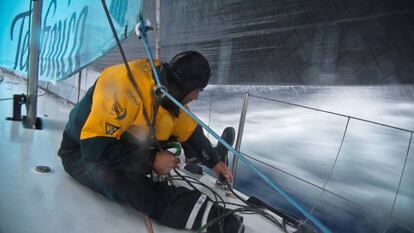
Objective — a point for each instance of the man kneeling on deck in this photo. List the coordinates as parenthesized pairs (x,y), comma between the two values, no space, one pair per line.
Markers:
(112,142)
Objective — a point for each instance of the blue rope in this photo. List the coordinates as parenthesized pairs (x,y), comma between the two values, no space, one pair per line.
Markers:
(146,45)
(273,185)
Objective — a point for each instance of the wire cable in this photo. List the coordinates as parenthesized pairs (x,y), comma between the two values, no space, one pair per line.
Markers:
(249,208)
(256,207)
(11,98)
(251,166)
(216,195)
(272,184)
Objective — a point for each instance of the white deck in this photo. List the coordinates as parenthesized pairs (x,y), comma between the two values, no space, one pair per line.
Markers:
(42,203)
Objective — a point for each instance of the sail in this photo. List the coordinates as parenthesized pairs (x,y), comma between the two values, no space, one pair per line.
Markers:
(73,34)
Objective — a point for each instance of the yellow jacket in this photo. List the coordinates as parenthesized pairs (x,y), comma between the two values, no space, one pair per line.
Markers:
(116,107)
(112,109)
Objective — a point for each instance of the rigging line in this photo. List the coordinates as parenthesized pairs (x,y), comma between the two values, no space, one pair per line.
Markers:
(197,182)
(218,218)
(108,16)
(41,94)
(71,88)
(317,109)
(215,196)
(29,31)
(330,172)
(399,183)
(14,83)
(334,113)
(256,207)
(148,50)
(50,92)
(223,92)
(209,113)
(272,184)
(242,210)
(128,68)
(79,84)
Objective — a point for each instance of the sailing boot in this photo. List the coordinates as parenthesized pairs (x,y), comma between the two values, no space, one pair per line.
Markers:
(228,135)
(192,161)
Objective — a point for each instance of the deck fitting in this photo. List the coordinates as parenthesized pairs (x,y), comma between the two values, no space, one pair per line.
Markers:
(43,169)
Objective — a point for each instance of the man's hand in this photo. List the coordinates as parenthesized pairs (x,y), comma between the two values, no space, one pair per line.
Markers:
(221,169)
(164,162)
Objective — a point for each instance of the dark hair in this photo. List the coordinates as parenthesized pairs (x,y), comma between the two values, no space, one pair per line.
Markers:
(185,72)
(189,70)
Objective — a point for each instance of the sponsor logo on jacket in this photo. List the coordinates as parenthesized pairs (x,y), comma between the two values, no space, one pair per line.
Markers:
(120,111)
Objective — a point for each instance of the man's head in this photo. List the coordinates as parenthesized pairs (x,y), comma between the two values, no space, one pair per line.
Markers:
(188,73)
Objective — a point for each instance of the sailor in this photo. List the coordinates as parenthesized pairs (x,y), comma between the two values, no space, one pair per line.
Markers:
(115,135)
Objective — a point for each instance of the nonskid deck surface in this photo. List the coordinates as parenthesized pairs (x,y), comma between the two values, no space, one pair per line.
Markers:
(34,202)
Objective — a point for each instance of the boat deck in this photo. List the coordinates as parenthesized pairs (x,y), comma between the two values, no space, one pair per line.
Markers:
(54,202)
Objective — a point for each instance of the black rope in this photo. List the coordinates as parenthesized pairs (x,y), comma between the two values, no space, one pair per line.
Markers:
(185,178)
(108,16)
(249,208)
(129,72)
(218,218)
(216,196)
(257,208)
(153,136)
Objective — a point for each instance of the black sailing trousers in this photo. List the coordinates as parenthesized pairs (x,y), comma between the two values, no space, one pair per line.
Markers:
(169,205)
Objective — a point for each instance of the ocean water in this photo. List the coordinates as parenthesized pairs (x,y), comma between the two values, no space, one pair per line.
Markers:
(353,175)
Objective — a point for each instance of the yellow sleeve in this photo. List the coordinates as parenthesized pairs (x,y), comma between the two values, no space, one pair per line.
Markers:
(112,110)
